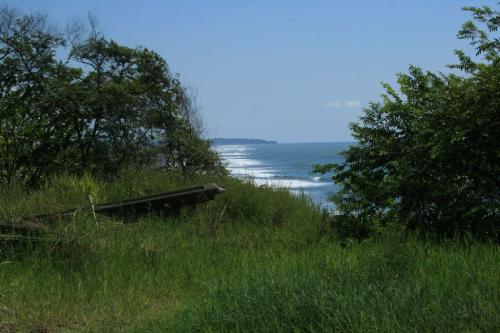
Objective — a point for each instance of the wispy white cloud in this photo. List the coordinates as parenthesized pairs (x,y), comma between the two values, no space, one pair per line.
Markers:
(350,104)
(353,104)
(333,105)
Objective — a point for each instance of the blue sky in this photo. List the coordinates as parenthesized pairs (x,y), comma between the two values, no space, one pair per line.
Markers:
(292,71)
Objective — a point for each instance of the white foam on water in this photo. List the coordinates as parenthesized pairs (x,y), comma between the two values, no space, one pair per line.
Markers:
(262,173)
(245,168)
(238,163)
(234,155)
(287,183)
(242,162)
(232,149)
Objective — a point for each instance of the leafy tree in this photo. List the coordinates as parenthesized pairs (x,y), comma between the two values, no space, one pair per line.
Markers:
(137,109)
(428,155)
(114,106)
(108,121)
(32,97)
(172,118)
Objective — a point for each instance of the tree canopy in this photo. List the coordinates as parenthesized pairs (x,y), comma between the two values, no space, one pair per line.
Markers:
(102,107)
(428,155)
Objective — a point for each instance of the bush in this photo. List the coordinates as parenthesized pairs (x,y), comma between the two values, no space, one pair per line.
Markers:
(428,155)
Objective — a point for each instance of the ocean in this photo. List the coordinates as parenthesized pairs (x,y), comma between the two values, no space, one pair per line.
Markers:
(287,165)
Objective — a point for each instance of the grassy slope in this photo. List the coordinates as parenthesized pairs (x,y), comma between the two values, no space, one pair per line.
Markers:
(252,260)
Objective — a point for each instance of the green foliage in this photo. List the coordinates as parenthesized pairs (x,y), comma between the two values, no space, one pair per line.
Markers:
(32,87)
(379,286)
(254,259)
(427,156)
(106,107)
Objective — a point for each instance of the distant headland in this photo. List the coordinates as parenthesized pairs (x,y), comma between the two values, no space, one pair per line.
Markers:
(240,141)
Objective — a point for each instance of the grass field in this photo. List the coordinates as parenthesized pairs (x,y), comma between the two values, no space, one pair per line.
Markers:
(254,259)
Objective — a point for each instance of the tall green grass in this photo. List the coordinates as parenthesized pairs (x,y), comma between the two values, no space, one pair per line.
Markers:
(254,259)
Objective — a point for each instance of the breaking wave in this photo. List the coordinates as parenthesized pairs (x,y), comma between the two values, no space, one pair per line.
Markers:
(241,164)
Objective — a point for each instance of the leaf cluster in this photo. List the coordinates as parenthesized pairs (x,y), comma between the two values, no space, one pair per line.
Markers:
(103,107)
(427,155)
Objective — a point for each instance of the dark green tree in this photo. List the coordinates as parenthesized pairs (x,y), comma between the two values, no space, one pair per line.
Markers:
(105,107)
(107,125)
(428,156)
(172,118)
(33,94)
(137,110)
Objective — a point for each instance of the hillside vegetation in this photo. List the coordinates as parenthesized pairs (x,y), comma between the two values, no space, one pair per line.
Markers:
(415,248)
(254,259)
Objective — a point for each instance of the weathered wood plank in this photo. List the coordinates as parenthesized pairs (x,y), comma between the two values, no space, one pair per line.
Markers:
(161,201)
(23,226)
(129,207)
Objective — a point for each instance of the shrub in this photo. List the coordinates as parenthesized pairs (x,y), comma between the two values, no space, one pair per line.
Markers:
(428,155)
